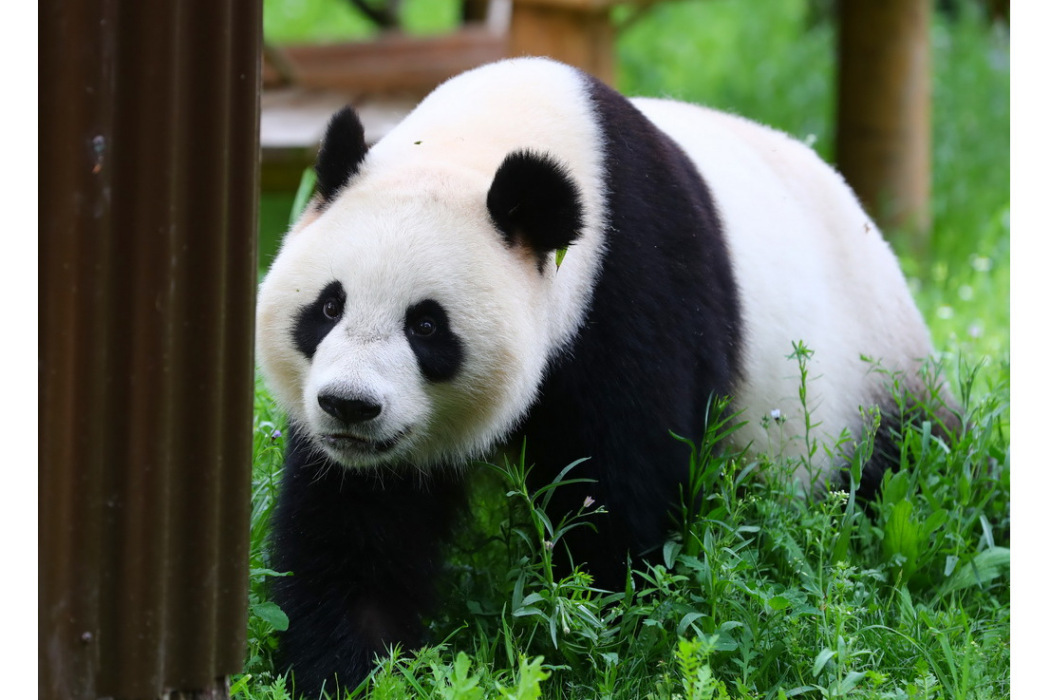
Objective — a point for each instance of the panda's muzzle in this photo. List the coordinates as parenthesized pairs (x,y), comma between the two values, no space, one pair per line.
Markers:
(345,442)
(353,413)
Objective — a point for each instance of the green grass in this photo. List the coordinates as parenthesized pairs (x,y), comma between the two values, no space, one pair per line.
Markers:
(761,593)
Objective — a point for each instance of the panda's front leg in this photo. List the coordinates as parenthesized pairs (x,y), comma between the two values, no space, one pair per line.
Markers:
(364,550)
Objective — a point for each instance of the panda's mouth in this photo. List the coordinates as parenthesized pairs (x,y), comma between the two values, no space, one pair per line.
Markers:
(344,442)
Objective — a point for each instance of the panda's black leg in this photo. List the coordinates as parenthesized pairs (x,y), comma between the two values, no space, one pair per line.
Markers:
(364,551)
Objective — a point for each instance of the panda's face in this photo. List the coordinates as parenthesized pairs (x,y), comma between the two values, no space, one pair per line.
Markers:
(397,326)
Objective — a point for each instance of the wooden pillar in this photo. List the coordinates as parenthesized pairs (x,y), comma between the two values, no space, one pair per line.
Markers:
(149,157)
(577,32)
(884,89)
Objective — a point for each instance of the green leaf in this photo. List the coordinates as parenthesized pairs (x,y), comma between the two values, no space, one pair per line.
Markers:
(982,569)
(821,661)
(303,194)
(894,488)
(464,685)
(687,620)
(530,675)
(241,685)
(526,611)
(271,613)
(902,537)
(268,572)
(850,682)
(935,521)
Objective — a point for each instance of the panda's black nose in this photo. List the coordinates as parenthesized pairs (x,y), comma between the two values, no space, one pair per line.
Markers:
(349,410)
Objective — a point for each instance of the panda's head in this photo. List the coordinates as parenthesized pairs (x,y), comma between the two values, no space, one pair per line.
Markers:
(405,320)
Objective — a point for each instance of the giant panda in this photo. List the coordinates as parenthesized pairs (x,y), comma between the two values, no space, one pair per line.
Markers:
(530,255)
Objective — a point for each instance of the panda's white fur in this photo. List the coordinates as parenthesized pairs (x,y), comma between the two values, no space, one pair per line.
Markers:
(810,265)
(687,275)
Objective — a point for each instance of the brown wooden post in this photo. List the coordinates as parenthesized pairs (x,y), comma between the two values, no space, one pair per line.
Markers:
(148,155)
(884,93)
(577,32)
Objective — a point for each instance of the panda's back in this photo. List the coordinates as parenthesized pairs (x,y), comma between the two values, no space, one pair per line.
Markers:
(811,266)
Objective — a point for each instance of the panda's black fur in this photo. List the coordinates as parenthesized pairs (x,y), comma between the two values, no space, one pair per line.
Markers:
(340,154)
(663,331)
(534,202)
(662,227)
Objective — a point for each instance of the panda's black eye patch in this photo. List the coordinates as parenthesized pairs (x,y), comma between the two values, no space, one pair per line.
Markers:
(315,320)
(438,350)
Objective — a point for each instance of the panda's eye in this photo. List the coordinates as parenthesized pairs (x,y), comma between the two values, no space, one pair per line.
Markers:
(427,321)
(333,308)
(424,327)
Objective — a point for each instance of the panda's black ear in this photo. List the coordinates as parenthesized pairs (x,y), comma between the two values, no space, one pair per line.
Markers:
(342,150)
(534,201)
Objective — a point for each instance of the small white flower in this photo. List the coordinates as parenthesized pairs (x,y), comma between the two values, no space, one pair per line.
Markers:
(588,502)
(775,414)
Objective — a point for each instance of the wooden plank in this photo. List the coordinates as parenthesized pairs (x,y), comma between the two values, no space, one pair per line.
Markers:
(391,62)
(577,5)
